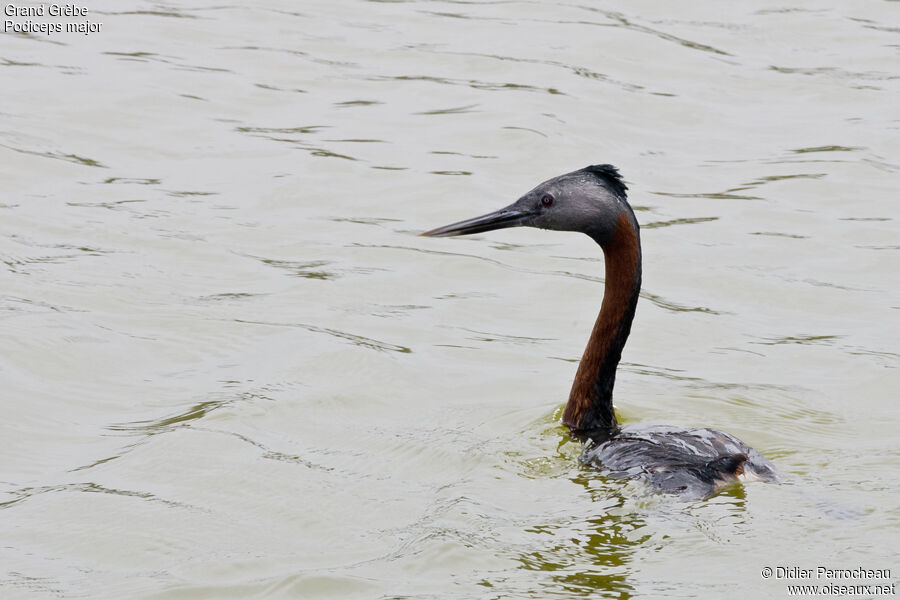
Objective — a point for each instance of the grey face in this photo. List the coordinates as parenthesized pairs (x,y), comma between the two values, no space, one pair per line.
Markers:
(577,201)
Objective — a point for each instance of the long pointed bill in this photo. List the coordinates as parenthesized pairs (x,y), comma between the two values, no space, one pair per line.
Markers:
(500,219)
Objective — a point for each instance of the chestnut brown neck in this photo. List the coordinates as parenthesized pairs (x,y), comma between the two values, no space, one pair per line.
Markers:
(590,408)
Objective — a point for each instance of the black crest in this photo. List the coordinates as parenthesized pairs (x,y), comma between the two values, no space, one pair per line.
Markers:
(610,177)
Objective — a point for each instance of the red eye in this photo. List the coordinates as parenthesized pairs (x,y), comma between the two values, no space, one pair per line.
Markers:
(547,200)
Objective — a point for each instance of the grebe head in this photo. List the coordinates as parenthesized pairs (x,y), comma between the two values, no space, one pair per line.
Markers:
(590,200)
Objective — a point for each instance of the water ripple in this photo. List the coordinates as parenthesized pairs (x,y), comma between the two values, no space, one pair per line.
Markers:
(268,453)
(472,83)
(91,488)
(356,340)
(455,110)
(683,221)
(579,71)
(626,23)
(68,157)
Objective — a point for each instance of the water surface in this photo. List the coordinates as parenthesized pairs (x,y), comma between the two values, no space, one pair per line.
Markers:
(231,369)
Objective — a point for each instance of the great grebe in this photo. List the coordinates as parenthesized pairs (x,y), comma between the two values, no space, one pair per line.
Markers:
(689,462)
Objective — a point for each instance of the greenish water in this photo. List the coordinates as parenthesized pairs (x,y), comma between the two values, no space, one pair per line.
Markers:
(230,369)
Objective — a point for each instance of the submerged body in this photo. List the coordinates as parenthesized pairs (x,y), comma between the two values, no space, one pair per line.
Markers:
(694,463)
(690,462)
